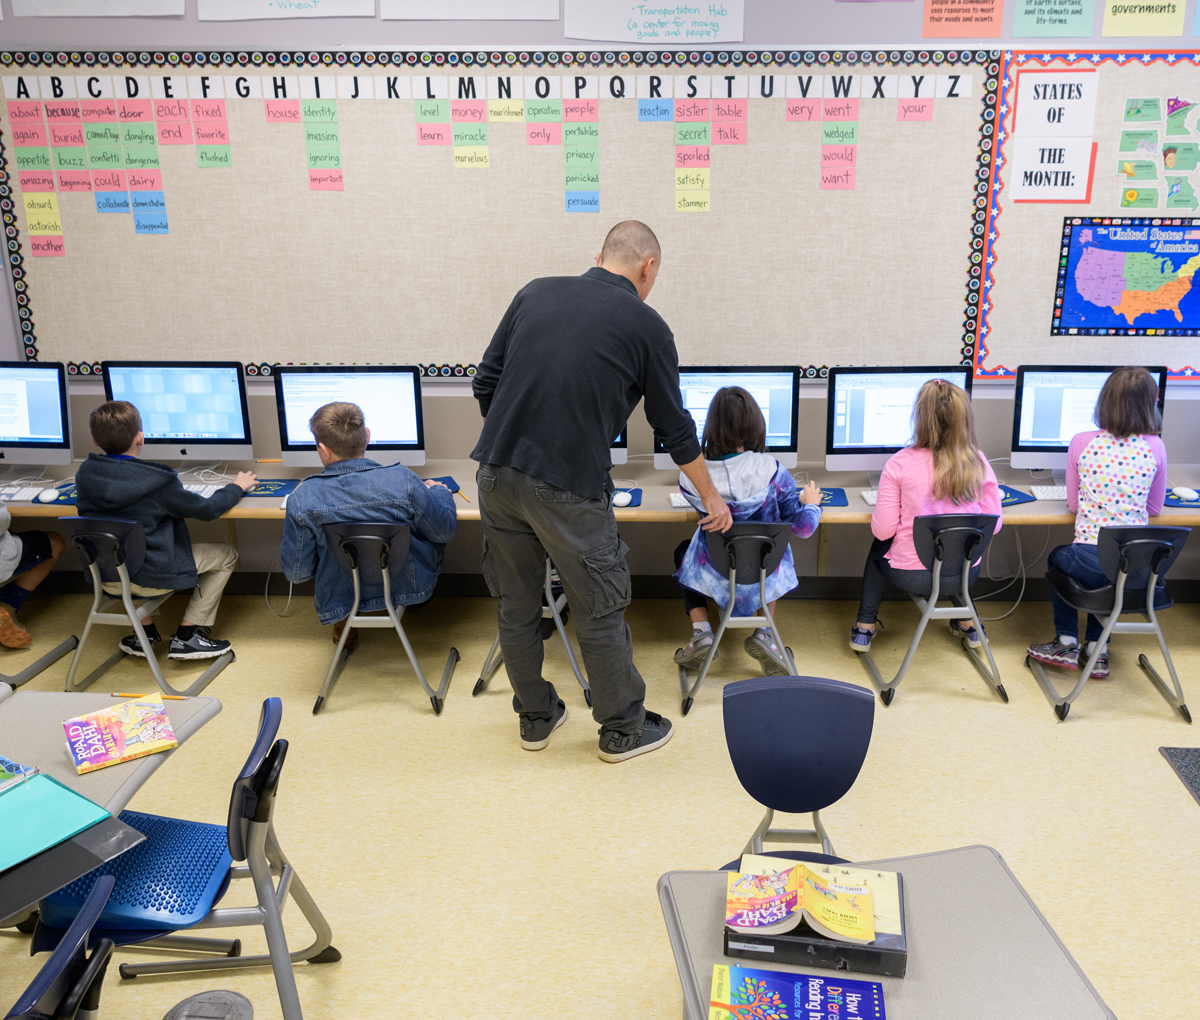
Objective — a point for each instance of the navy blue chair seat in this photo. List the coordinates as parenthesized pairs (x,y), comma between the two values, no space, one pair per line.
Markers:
(1100,601)
(797,744)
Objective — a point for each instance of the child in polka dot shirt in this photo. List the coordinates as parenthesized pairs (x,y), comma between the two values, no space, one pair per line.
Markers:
(1116,475)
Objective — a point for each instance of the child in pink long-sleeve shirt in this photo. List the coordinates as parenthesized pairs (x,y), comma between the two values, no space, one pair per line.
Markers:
(1116,475)
(942,472)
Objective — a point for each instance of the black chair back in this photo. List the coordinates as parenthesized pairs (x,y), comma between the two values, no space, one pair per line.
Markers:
(70,980)
(254,788)
(797,743)
(953,539)
(373,548)
(108,542)
(1139,550)
(748,547)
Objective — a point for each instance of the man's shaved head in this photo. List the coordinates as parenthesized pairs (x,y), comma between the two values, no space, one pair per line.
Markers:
(630,243)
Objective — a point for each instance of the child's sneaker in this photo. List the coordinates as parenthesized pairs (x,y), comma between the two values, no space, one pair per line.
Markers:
(860,640)
(198,646)
(130,645)
(697,648)
(971,636)
(1100,670)
(535,733)
(615,747)
(1055,653)
(760,646)
(12,634)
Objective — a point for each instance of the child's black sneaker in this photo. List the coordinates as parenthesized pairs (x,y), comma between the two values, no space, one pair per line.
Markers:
(132,646)
(535,733)
(615,746)
(198,646)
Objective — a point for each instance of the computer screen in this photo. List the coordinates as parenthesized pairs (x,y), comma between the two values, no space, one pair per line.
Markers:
(389,395)
(34,420)
(191,410)
(619,451)
(1054,403)
(869,412)
(773,387)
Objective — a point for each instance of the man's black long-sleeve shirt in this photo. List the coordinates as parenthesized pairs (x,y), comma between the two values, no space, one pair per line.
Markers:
(564,371)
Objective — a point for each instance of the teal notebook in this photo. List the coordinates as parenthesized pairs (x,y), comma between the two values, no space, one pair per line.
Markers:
(41,813)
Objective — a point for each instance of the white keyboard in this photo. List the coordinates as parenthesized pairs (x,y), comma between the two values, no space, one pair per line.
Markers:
(679,500)
(1058,492)
(203,490)
(20,493)
(869,496)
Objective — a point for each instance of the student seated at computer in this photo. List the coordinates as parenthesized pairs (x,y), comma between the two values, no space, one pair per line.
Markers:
(1116,474)
(941,472)
(25,561)
(352,487)
(756,488)
(118,484)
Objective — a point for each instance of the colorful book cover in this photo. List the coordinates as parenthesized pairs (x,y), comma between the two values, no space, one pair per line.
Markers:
(11,773)
(761,902)
(740,993)
(130,730)
(768,903)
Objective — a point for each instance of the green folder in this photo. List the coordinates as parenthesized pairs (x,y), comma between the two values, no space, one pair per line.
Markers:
(41,813)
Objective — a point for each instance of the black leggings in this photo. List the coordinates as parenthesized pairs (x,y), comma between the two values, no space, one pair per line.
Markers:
(691,599)
(879,572)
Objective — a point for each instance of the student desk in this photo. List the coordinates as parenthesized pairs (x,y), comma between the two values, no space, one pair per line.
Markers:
(33,735)
(656,487)
(978,946)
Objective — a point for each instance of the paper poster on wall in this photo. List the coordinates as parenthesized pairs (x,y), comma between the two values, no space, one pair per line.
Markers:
(1158,19)
(962,19)
(253,10)
(467,10)
(97,8)
(1053,19)
(666,23)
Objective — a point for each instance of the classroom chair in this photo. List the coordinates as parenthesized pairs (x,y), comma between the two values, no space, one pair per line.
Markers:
(947,544)
(797,744)
(34,668)
(173,879)
(68,985)
(747,554)
(555,609)
(1135,559)
(114,550)
(374,554)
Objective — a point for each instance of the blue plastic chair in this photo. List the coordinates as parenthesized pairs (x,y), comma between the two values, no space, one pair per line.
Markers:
(174,879)
(69,982)
(797,744)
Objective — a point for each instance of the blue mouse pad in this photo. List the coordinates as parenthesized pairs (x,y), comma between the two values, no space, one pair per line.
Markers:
(636,501)
(1012,497)
(270,488)
(67,495)
(1183,504)
(834,497)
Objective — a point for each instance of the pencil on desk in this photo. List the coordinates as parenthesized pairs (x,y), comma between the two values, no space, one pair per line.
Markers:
(463,494)
(165,697)
(270,460)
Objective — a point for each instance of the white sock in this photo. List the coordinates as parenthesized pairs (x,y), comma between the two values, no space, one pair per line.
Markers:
(1070,642)
(699,628)
(1091,647)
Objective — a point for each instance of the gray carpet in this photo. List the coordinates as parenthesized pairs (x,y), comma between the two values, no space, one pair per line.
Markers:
(1186,763)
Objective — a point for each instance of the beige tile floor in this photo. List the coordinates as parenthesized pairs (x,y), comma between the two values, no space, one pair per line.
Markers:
(464,877)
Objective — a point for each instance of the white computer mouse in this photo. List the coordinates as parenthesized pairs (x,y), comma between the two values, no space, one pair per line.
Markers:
(1182,491)
(622,498)
(47,495)
(283,502)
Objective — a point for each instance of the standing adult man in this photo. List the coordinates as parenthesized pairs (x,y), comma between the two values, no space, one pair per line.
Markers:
(566,367)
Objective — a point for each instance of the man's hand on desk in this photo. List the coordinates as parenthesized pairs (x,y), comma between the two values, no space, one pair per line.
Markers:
(246,479)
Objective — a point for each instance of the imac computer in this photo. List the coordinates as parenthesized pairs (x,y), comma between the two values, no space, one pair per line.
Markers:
(191,410)
(774,388)
(1053,403)
(869,413)
(389,395)
(35,425)
(619,451)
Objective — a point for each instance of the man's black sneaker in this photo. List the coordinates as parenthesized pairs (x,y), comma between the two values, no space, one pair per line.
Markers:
(198,646)
(615,746)
(535,733)
(132,646)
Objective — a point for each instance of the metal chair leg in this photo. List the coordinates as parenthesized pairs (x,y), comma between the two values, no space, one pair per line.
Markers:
(47,660)
(489,667)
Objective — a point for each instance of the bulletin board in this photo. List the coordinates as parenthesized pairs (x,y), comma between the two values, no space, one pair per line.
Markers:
(1107,278)
(813,208)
